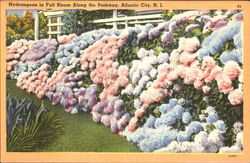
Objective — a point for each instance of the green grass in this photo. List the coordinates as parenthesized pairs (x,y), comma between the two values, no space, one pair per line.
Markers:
(80,133)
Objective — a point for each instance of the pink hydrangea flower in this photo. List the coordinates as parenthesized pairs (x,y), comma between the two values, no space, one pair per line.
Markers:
(206,89)
(236,97)
(139,113)
(188,44)
(232,69)
(224,83)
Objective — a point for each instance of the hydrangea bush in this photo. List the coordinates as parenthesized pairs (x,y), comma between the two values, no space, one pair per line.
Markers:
(174,87)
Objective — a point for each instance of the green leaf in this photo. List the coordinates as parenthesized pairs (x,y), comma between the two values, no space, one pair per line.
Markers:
(197,31)
(197,96)
(221,96)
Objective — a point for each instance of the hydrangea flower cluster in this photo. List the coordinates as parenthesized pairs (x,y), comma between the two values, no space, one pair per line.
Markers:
(214,43)
(100,59)
(34,82)
(111,113)
(70,96)
(39,50)
(168,28)
(142,72)
(15,52)
(160,134)
(72,48)
(66,38)
(183,64)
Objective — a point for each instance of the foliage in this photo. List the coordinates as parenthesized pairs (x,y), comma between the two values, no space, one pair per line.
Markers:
(43,28)
(79,21)
(27,21)
(30,127)
(23,27)
(11,35)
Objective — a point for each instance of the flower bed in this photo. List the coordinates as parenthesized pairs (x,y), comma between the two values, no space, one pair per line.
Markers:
(176,87)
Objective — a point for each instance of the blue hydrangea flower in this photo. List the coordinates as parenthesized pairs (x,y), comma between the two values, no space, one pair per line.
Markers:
(202,53)
(214,43)
(150,122)
(164,108)
(194,127)
(158,140)
(173,101)
(234,55)
(212,117)
(182,136)
(177,111)
(238,40)
(220,125)
(186,117)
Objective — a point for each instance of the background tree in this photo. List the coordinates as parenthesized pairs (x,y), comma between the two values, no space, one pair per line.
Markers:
(79,21)
(11,35)
(43,28)
(14,22)
(23,27)
(27,21)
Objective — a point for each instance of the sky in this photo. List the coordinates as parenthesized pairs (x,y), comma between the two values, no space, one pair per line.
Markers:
(19,13)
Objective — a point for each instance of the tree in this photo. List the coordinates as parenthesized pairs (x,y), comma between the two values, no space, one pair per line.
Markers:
(43,28)
(27,21)
(14,22)
(79,21)
(23,28)
(11,35)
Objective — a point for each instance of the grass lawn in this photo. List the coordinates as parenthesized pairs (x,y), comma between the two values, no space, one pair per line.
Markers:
(81,134)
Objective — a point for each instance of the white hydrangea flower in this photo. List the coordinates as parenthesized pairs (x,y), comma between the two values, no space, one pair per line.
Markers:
(162,57)
(150,60)
(186,146)
(212,148)
(174,146)
(141,53)
(128,90)
(239,139)
(232,149)
(197,147)
(151,52)
(137,91)
(237,127)
(153,73)
(215,137)
(145,68)
(136,77)
(80,83)
(201,138)
(137,103)
(143,81)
